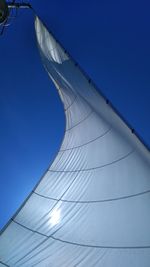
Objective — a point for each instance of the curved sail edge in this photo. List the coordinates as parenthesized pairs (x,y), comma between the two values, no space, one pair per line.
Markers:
(91,208)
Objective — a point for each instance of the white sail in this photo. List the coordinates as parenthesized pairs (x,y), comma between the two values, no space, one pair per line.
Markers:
(92,207)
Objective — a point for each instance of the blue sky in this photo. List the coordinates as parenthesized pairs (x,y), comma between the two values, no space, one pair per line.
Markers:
(111,42)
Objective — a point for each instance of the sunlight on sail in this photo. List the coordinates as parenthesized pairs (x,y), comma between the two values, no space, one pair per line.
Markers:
(55,217)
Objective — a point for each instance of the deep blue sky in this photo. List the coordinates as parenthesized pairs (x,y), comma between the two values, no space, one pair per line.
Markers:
(109,39)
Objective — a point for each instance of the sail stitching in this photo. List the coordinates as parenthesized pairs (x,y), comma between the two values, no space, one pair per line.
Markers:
(94,201)
(34,231)
(94,168)
(4,264)
(47,213)
(89,114)
(98,137)
(71,103)
(98,246)
(41,243)
(80,244)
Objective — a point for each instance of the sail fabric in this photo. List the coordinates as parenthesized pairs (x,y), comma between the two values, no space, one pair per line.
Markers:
(92,206)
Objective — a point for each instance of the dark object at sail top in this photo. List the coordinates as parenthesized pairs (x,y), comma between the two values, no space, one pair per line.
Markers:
(4,11)
(8,12)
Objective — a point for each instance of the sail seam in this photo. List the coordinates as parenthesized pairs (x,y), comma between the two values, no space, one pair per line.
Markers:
(94,168)
(80,244)
(34,231)
(40,226)
(94,201)
(89,114)
(71,103)
(98,246)
(4,264)
(35,254)
(98,137)
(41,243)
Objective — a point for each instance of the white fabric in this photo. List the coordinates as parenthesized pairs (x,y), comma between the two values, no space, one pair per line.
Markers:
(92,207)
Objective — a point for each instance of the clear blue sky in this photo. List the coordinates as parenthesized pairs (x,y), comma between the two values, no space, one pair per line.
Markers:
(109,39)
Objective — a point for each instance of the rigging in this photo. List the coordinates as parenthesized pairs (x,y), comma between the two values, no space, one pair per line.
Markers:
(7,10)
